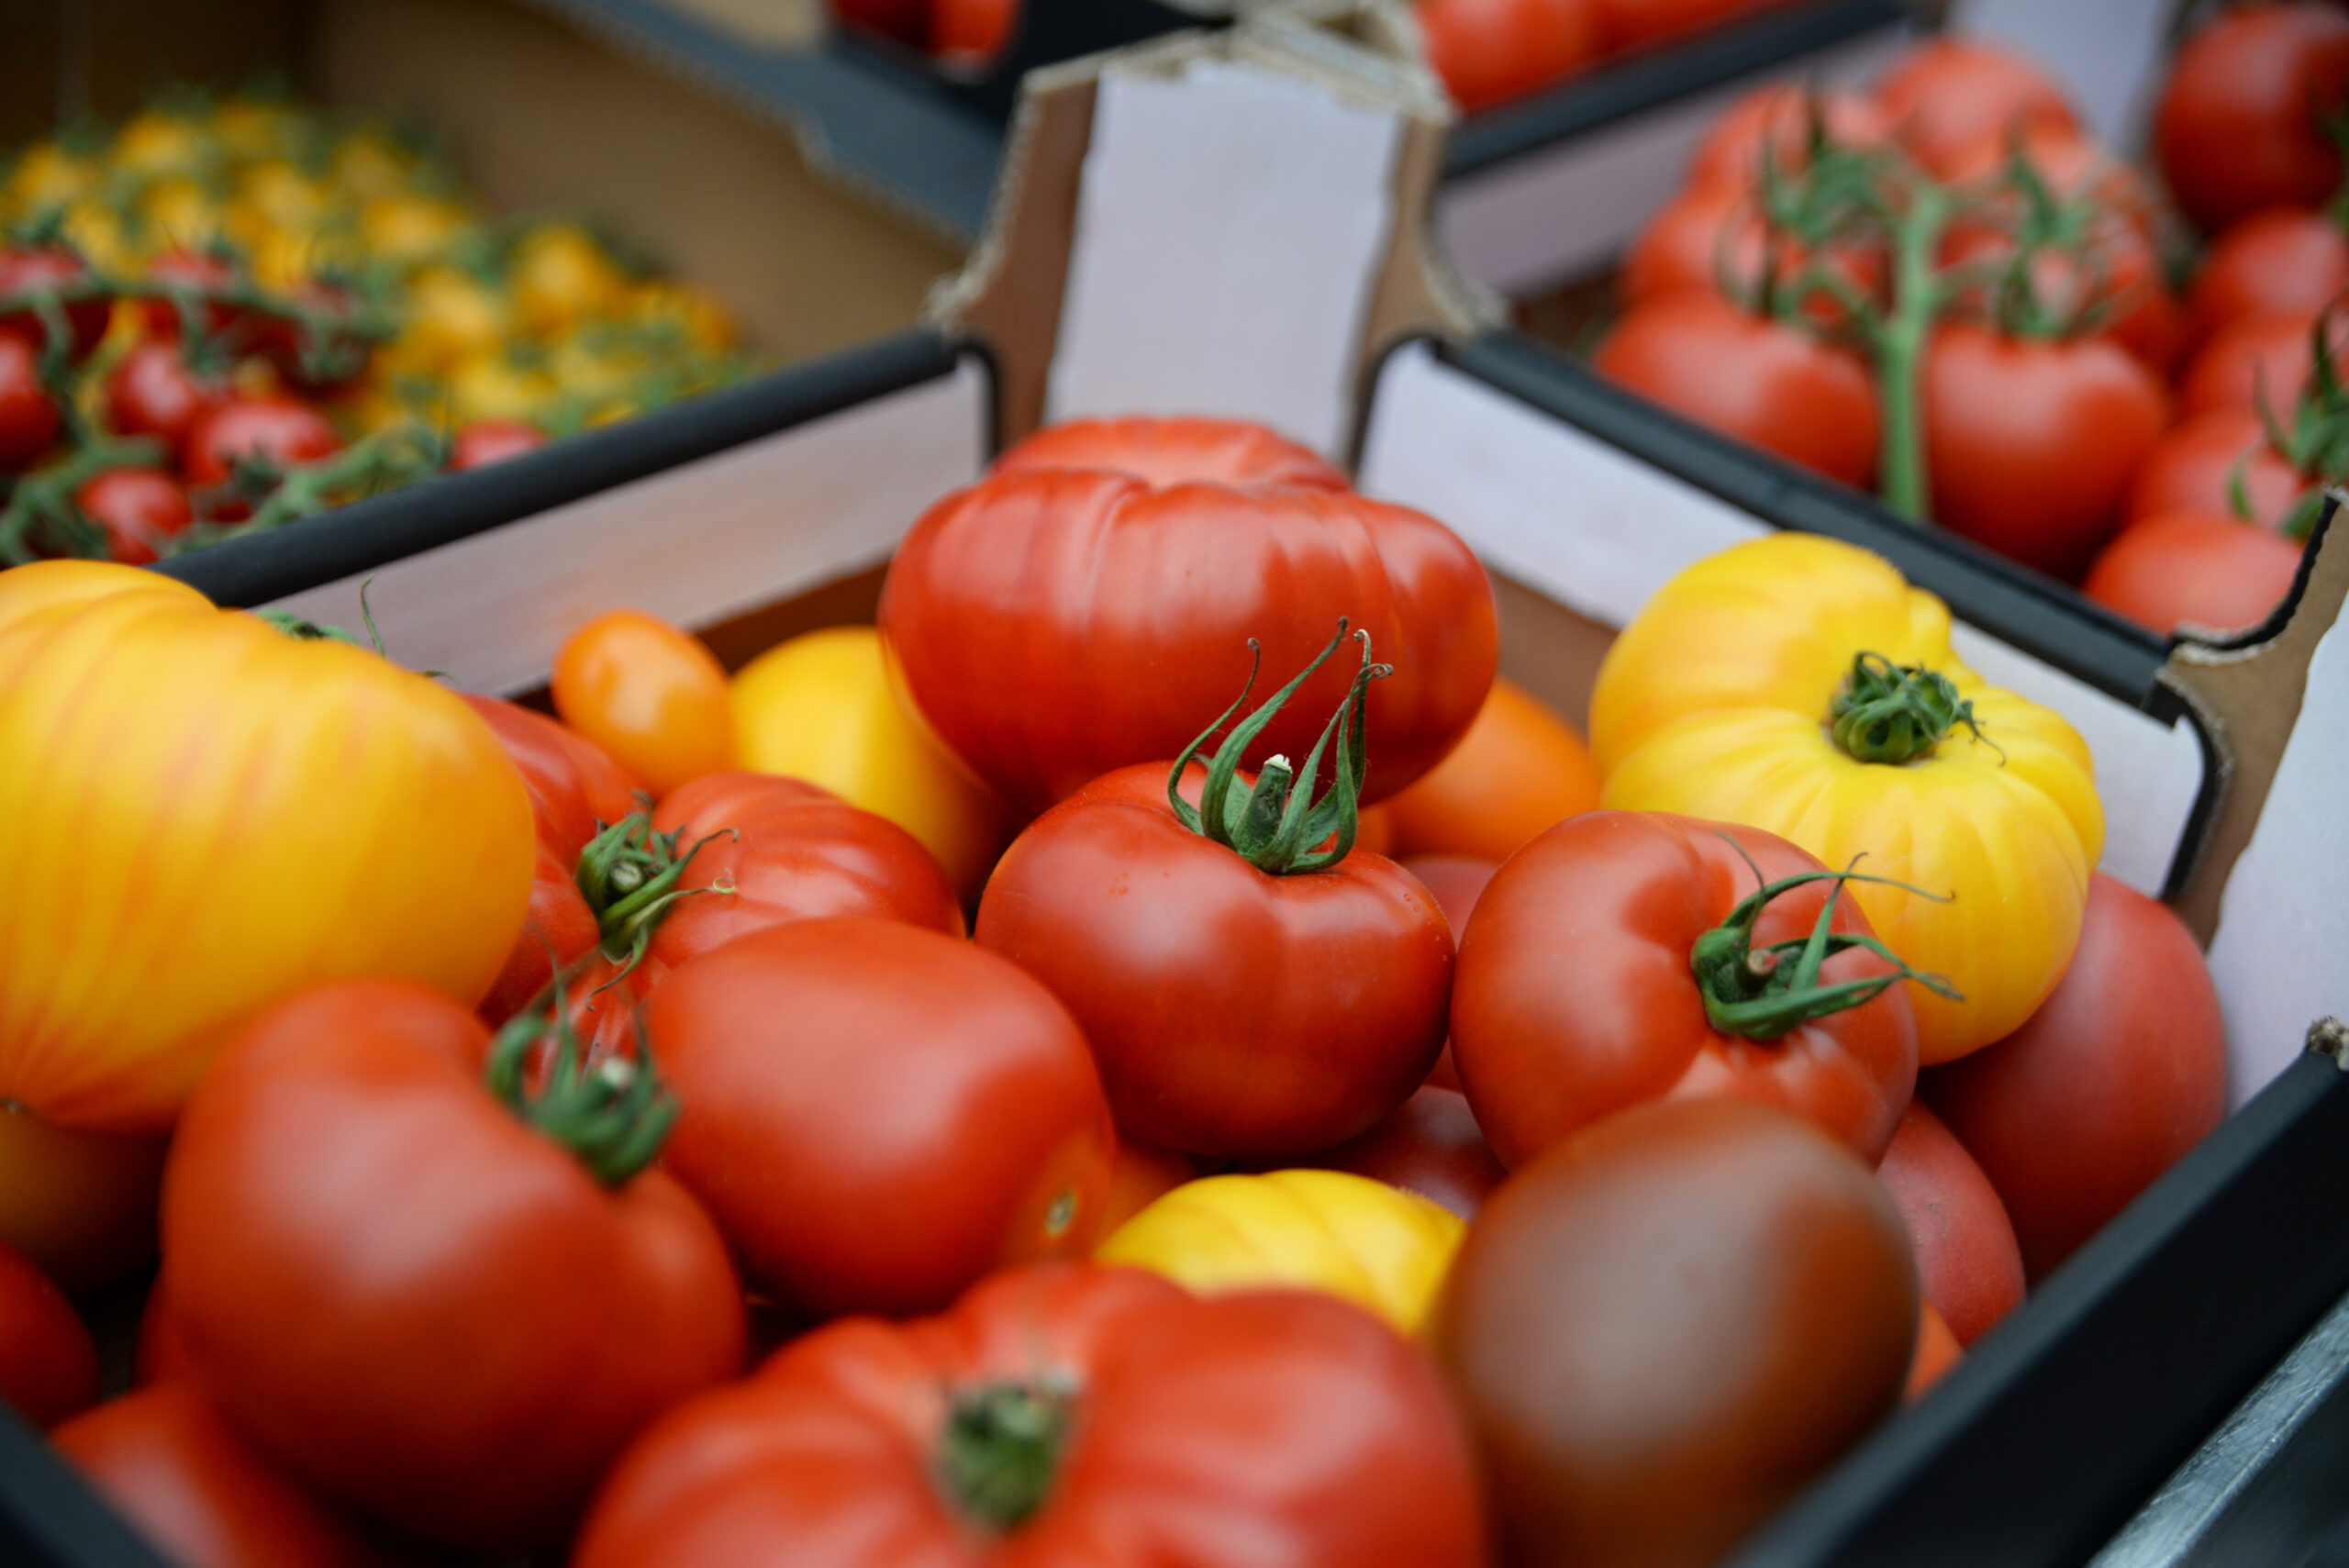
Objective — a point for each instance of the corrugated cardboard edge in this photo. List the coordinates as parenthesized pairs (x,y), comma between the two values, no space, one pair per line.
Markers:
(2247,696)
(1008,297)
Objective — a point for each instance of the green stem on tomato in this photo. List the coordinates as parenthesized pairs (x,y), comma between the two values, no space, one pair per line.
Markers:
(1000,1451)
(42,505)
(613,1113)
(1894,714)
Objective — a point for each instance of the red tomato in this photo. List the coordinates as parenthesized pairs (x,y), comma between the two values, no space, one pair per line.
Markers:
(160,1356)
(2072,165)
(971,29)
(1577,996)
(1761,381)
(1060,1416)
(1233,1011)
(2029,444)
(2260,357)
(281,432)
(2281,261)
(30,270)
(486,441)
(905,20)
(414,1298)
(2120,1073)
(1059,619)
(651,694)
(1431,1146)
(1967,1262)
(1711,237)
(49,1367)
(1937,1351)
(1638,24)
(153,393)
(1489,52)
(2193,468)
(2204,567)
(166,1458)
(30,420)
(1458,882)
(879,1115)
(1779,116)
(1666,1326)
(2112,287)
(1952,93)
(139,508)
(2238,126)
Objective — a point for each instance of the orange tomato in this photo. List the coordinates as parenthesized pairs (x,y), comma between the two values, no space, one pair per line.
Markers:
(649,693)
(1518,770)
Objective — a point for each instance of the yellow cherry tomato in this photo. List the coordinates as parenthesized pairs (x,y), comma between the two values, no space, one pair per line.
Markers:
(48,177)
(157,142)
(80,1205)
(493,386)
(649,693)
(1377,1246)
(1519,768)
(251,130)
(370,161)
(1719,701)
(561,277)
(208,814)
(688,313)
(820,707)
(452,316)
(180,213)
(407,228)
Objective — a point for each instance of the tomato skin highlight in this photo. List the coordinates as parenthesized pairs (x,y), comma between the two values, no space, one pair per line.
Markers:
(1232,1012)
(649,693)
(1967,1262)
(2234,128)
(49,1365)
(2176,567)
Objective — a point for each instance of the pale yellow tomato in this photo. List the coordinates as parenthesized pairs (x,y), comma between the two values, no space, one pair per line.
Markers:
(406,227)
(561,277)
(453,314)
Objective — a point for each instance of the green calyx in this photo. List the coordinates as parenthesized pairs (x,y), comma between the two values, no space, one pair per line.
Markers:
(1000,1451)
(1767,993)
(1893,714)
(613,1114)
(2311,434)
(1275,825)
(629,875)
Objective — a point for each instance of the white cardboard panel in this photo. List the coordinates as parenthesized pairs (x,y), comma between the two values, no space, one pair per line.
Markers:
(1527,224)
(696,544)
(1600,531)
(1210,276)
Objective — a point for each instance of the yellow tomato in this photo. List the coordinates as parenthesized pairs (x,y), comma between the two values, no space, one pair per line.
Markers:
(1718,699)
(561,277)
(407,228)
(179,213)
(649,693)
(1377,1246)
(493,386)
(692,315)
(200,814)
(255,128)
(97,231)
(452,315)
(1519,768)
(80,1205)
(820,708)
(48,177)
(157,142)
(370,162)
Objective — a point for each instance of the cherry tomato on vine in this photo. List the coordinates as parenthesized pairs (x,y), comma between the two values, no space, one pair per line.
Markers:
(2282,261)
(1950,93)
(648,692)
(1489,52)
(279,431)
(2239,125)
(32,268)
(2204,567)
(49,1365)
(484,441)
(153,393)
(1967,1264)
(198,276)
(139,508)
(30,421)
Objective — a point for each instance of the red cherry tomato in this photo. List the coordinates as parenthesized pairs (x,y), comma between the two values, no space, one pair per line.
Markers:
(2203,567)
(283,432)
(1761,381)
(30,420)
(486,441)
(878,1115)
(973,30)
(2238,128)
(1966,1259)
(2281,261)
(2194,466)
(1937,1351)
(1779,117)
(1950,93)
(1576,995)
(153,393)
(199,276)
(139,508)
(49,1367)
(2120,1071)
(1431,1145)
(2029,444)
(2258,358)
(1489,52)
(30,270)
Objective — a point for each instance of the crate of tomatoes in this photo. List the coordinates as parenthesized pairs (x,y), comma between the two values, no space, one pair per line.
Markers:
(1046,972)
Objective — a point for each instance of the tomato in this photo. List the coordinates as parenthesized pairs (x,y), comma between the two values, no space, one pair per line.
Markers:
(159,1356)
(2194,466)
(973,30)
(1758,380)
(2072,166)
(2258,358)
(185,281)
(1937,1351)
(30,420)
(1639,24)
(80,1205)
(878,1115)
(1669,1323)
(2029,444)
(1778,115)
(364,1199)
(1950,92)
(650,694)
(1139,1178)
(2106,1086)
(1967,1262)
(1431,1146)
(561,276)
(139,508)
(2281,262)
(1055,1416)
(330,815)
(2239,126)
(1519,768)
(170,1463)
(1797,684)
(486,441)
(30,270)
(153,393)
(274,433)
(1457,882)
(49,1366)
(820,708)
(1489,52)
(906,20)
(1621,957)
(2205,568)
(1054,622)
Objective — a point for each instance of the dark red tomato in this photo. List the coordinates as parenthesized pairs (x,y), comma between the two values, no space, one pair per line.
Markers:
(1666,1326)
(49,1367)
(907,21)
(139,508)
(1967,1262)
(2029,444)
(1576,995)
(486,441)
(1950,93)
(167,1460)
(283,432)
(153,393)
(2120,1073)
(973,30)
(1489,52)
(1638,24)
(878,1115)
(2238,128)
(30,270)
(1779,117)
(2282,262)
(160,1356)
(1062,1418)
(1937,1351)
(198,276)
(2261,357)
(1086,606)
(30,420)
(349,1204)
(1758,380)
(1233,1012)
(2204,567)
(2194,466)
(1457,882)
(1431,1146)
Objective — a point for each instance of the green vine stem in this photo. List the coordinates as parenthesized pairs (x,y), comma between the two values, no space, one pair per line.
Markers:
(1894,714)
(42,515)
(630,875)
(613,1114)
(2314,437)
(391,456)
(999,1452)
